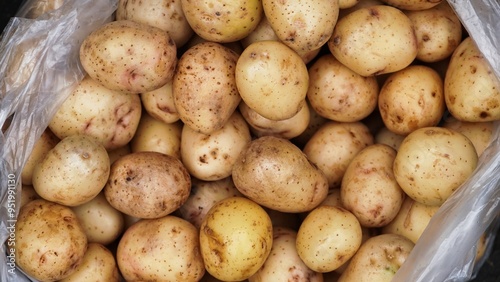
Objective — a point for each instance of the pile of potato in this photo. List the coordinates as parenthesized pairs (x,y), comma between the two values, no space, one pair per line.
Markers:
(256,140)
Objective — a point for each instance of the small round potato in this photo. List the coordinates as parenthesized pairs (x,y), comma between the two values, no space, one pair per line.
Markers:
(236,237)
(369,189)
(302,25)
(109,116)
(432,162)
(128,56)
(159,103)
(47,141)
(263,31)
(50,243)
(283,263)
(73,172)
(98,264)
(147,184)
(328,237)
(222,20)
(157,136)
(277,174)
(204,87)
(161,249)
(334,145)
(411,98)
(337,93)
(102,223)
(272,79)
(164,14)
(374,40)
(471,90)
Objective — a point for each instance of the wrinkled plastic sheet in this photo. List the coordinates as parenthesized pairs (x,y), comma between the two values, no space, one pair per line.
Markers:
(39,68)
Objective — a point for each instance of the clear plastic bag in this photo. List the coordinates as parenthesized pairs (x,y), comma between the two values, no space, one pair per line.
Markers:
(39,67)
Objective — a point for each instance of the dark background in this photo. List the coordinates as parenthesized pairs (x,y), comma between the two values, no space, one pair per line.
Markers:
(490,272)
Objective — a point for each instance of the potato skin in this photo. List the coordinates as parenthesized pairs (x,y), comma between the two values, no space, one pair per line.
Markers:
(413,5)
(128,56)
(276,174)
(147,184)
(50,243)
(47,141)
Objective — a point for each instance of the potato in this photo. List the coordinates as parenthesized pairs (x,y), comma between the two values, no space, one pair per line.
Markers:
(287,128)
(35,9)
(264,31)
(28,194)
(50,243)
(378,259)
(102,223)
(204,194)
(283,263)
(479,133)
(328,237)
(432,162)
(411,98)
(272,79)
(302,25)
(333,147)
(358,5)
(161,249)
(374,40)
(223,20)
(128,56)
(236,237)
(157,136)
(73,172)
(345,4)
(118,153)
(411,220)
(471,90)
(276,174)
(97,264)
(212,157)
(43,145)
(315,122)
(369,189)
(413,4)
(204,87)
(159,103)
(164,14)
(337,93)
(438,31)
(387,137)
(109,116)
(147,184)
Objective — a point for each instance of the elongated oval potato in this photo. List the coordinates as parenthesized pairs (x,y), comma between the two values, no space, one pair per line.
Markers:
(378,259)
(272,79)
(147,184)
(302,25)
(374,40)
(50,242)
(204,87)
(128,56)
(236,237)
(328,237)
(222,20)
(161,249)
(284,263)
(276,174)
(109,116)
(369,189)
(471,90)
(432,162)
(73,172)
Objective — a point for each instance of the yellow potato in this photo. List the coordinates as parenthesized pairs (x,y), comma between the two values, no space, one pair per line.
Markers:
(159,103)
(277,174)
(118,153)
(204,87)
(162,249)
(236,237)
(222,20)
(479,133)
(28,194)
(263,31)
(73,172)
(432,162)
(43,145)
(411,98)
(413,4)
(374,40)
(302,25)
(129,56)
(328,237)
(315,122)
(387,137)
(272,79)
